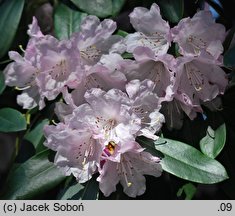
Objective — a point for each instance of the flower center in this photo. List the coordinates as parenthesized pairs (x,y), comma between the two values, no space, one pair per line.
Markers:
(91,54)
(92,81)
(60,70)
(155,73)
(195,77)
(155,40)
(106,126)
(197,43)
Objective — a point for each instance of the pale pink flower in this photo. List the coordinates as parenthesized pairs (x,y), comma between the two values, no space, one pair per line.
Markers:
(94,39)
(152,31)
(112,117)
(140,104)
(77,152)
(158,69)
(59,67)
(134,163)
(146,105)
(199,79)
(48,66)
(199,34)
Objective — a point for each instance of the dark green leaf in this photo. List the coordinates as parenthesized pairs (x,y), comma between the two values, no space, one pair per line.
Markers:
(2,82)
(67,21)
(230,38)
(122,33)
(188,163)
(11,120)
(35,136)
(149,146)
(117,6)
(100,8)
(72,191)
(172,10)
(127,55)
(89,192)
(213,143)
(10,14)
(189,189)
(229,60)
(37,175)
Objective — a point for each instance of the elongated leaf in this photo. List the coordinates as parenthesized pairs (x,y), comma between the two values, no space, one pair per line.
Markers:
(37,175)
(89,192)
(67,21)
(213,143)
(72,191)
(35,136)
(188,163)
(10,14)
(2,82)
(229,60)
(99,8)
(230,39)
(11,120)
(172,10)
(149,146)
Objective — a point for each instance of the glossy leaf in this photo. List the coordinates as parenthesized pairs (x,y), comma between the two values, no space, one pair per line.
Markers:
(213,143)
(35,136)
(172,10)
(189,189)
(188,163)
(72,191)
(10,14)
(11,120)
(100,8)
(37,175)
(2,82)
(67,21)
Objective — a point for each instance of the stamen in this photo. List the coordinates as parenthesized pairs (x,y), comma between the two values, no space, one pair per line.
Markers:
(90,53)
(124,172)
(156,72)
(91,82)
(155,40)
(195,77)
(59,70)
(22,88)
(21,48)
(82,157)
(197,43)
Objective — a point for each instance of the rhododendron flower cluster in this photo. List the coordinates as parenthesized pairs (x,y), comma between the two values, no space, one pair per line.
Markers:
(108,101)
